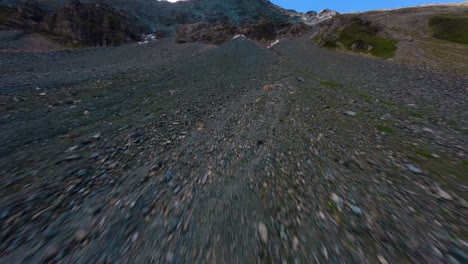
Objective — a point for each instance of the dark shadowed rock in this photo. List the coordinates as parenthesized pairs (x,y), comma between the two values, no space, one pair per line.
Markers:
(204,32)
(75,23)
(91,24)
(218,33)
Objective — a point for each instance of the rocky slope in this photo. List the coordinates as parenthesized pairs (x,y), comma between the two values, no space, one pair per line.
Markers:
(235,153)
(191,153)
(404,35)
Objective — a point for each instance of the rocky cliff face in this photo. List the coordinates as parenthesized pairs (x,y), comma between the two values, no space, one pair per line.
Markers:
(75,22)
(92,24)
(209,21)
(218,33)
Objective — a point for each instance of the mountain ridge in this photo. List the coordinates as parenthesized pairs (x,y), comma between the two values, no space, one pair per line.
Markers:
(163,18)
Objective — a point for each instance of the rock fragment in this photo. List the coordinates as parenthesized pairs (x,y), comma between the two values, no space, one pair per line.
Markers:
(337,200)
(268,87)
(414,169)
(263,232)
(295,243)
(81,235)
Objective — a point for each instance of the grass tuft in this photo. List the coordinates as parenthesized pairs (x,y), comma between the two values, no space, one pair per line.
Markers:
(361,32)
(330,84)
(423,153)
(385,129)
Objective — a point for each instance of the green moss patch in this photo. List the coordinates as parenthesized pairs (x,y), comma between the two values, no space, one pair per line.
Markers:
(363,34)
(385,129)
(423,153)
(330,84)
(453,29)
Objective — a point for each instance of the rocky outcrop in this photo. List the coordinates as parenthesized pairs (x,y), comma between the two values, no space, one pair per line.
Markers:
(27,15)
(91,24)
(208,21)
(326,14)
(214,21)
(219,33)
(75,23)
(204,32)
(349,32)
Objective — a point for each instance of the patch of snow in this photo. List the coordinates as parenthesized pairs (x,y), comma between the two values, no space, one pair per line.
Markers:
(274,43)
(147,39)
(238,36)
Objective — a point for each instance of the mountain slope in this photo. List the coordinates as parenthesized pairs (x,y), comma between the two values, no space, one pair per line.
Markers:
(408,28)
(162,17)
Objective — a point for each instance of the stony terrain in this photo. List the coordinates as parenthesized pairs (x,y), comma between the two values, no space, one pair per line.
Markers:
(192,153)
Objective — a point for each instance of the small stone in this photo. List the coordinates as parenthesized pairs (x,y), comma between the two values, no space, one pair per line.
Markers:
(437,253)
(267,87)
(201,126)
(50,252)
(169,257)
(350,113)
(94,155)
(71,149)
(325,252)
(263,232)
(72,157)
(463,202)
(168,176)
(382,259)
(295,243)
(428,130)
(414,169)
(86,112)
(443,194)
(204,178)
(96,136)
(135,236)
(81,234)
(356,210)
(83,173)
(322,215)
(299,78)
(338,201)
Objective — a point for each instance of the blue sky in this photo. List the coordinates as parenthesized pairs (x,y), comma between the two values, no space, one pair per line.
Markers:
(350,5)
